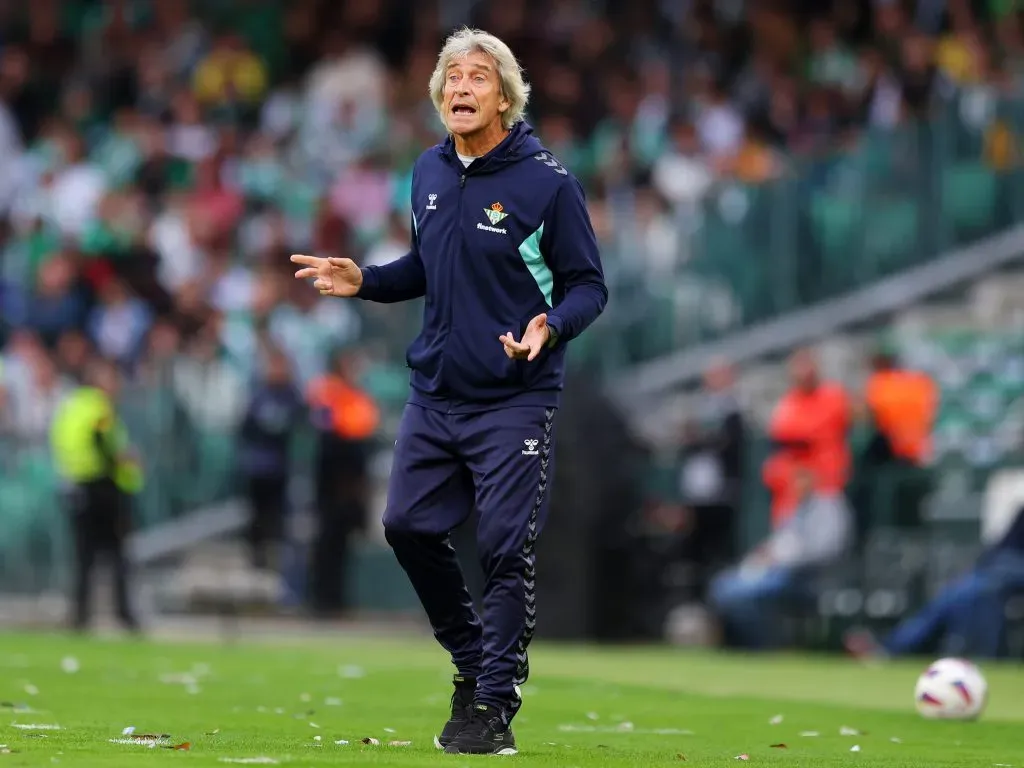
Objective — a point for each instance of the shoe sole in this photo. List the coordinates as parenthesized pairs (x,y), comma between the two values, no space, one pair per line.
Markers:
(503,752)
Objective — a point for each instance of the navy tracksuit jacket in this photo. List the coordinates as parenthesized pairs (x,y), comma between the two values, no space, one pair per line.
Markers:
(494,244)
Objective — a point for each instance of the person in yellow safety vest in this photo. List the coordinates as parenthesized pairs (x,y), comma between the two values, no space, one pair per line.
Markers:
(92,455)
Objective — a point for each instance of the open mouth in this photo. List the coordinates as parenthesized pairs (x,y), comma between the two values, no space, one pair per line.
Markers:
(463,109)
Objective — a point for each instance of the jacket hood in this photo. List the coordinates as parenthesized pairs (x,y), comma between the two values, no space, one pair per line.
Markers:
(520,144)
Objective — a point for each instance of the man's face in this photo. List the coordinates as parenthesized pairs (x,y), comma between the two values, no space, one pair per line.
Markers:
(472,95)
(803,371)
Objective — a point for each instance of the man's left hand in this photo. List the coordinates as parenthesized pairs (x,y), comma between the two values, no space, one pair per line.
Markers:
(534,339)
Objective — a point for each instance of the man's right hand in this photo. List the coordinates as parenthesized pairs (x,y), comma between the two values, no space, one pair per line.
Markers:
(334,277)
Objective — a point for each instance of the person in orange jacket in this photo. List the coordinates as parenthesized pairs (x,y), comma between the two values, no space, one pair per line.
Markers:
(346,419)
(809,428)
(900,405)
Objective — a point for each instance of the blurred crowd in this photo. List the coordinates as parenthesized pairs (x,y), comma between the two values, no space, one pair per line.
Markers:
(159,159)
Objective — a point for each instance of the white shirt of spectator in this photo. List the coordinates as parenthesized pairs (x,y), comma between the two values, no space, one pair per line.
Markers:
(180,260)
(74,196)
(721,130)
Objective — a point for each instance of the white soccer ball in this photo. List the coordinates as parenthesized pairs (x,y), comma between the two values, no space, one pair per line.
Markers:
(951,689)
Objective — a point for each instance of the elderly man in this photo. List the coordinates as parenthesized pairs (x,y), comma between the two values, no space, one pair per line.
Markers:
(504,252)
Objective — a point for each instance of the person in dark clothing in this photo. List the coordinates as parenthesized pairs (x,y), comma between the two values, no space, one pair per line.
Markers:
(274,413)
(504,252)
(711,463)
(969,614)
(346,420)
(91,453)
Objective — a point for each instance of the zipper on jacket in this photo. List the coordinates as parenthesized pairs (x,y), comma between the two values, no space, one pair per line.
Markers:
(451,267)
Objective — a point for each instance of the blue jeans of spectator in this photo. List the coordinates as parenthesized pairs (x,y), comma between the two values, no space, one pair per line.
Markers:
(969,612)
(746,601)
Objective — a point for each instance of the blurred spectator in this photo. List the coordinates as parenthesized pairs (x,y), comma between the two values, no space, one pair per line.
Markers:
(711,466)
(93,457)
(119,323)
(967,617)
(270,422)
(901,406)
(230,75)
(54,306)
(34,400)
(748,598)
(809,429)
(346,420)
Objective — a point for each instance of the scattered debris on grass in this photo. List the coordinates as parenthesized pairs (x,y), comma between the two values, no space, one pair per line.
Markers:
(142,741)
(809,734)
(680,756)
(70,665)
(371,741)
(31,690)
(742,757)
(250,760)
(341,742)
(390,730)
(780,745)
(305,697)
(776,720)
(332,701)
(37,726)
(896,740)
(351,671)
(593,716)
(399,743)
(214,732)
(855,748)
(846,730)
(313,725)
(185,746)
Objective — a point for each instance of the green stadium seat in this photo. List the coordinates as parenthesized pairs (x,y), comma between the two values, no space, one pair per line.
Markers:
(969,198)
(836,222)
(890,234)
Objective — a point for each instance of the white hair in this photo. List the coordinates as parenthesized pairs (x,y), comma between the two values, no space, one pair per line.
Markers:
(465,41)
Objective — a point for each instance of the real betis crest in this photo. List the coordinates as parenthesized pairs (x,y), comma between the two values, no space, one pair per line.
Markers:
(495,213)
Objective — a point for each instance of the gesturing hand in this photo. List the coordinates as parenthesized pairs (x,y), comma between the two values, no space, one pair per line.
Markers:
(537,334)
(334,277)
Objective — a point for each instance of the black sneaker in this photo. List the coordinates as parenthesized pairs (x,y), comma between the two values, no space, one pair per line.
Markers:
(462,705)
(485,734)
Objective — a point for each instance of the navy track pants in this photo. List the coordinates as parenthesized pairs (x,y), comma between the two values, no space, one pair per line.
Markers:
(499,461)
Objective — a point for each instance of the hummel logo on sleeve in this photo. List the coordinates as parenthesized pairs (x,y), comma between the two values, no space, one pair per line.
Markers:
(530,447)
(550,162)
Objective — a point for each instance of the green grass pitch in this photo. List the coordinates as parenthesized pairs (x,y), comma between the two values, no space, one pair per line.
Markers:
(266,702)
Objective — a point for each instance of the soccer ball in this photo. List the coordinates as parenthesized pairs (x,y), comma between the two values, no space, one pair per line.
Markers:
(951,689)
